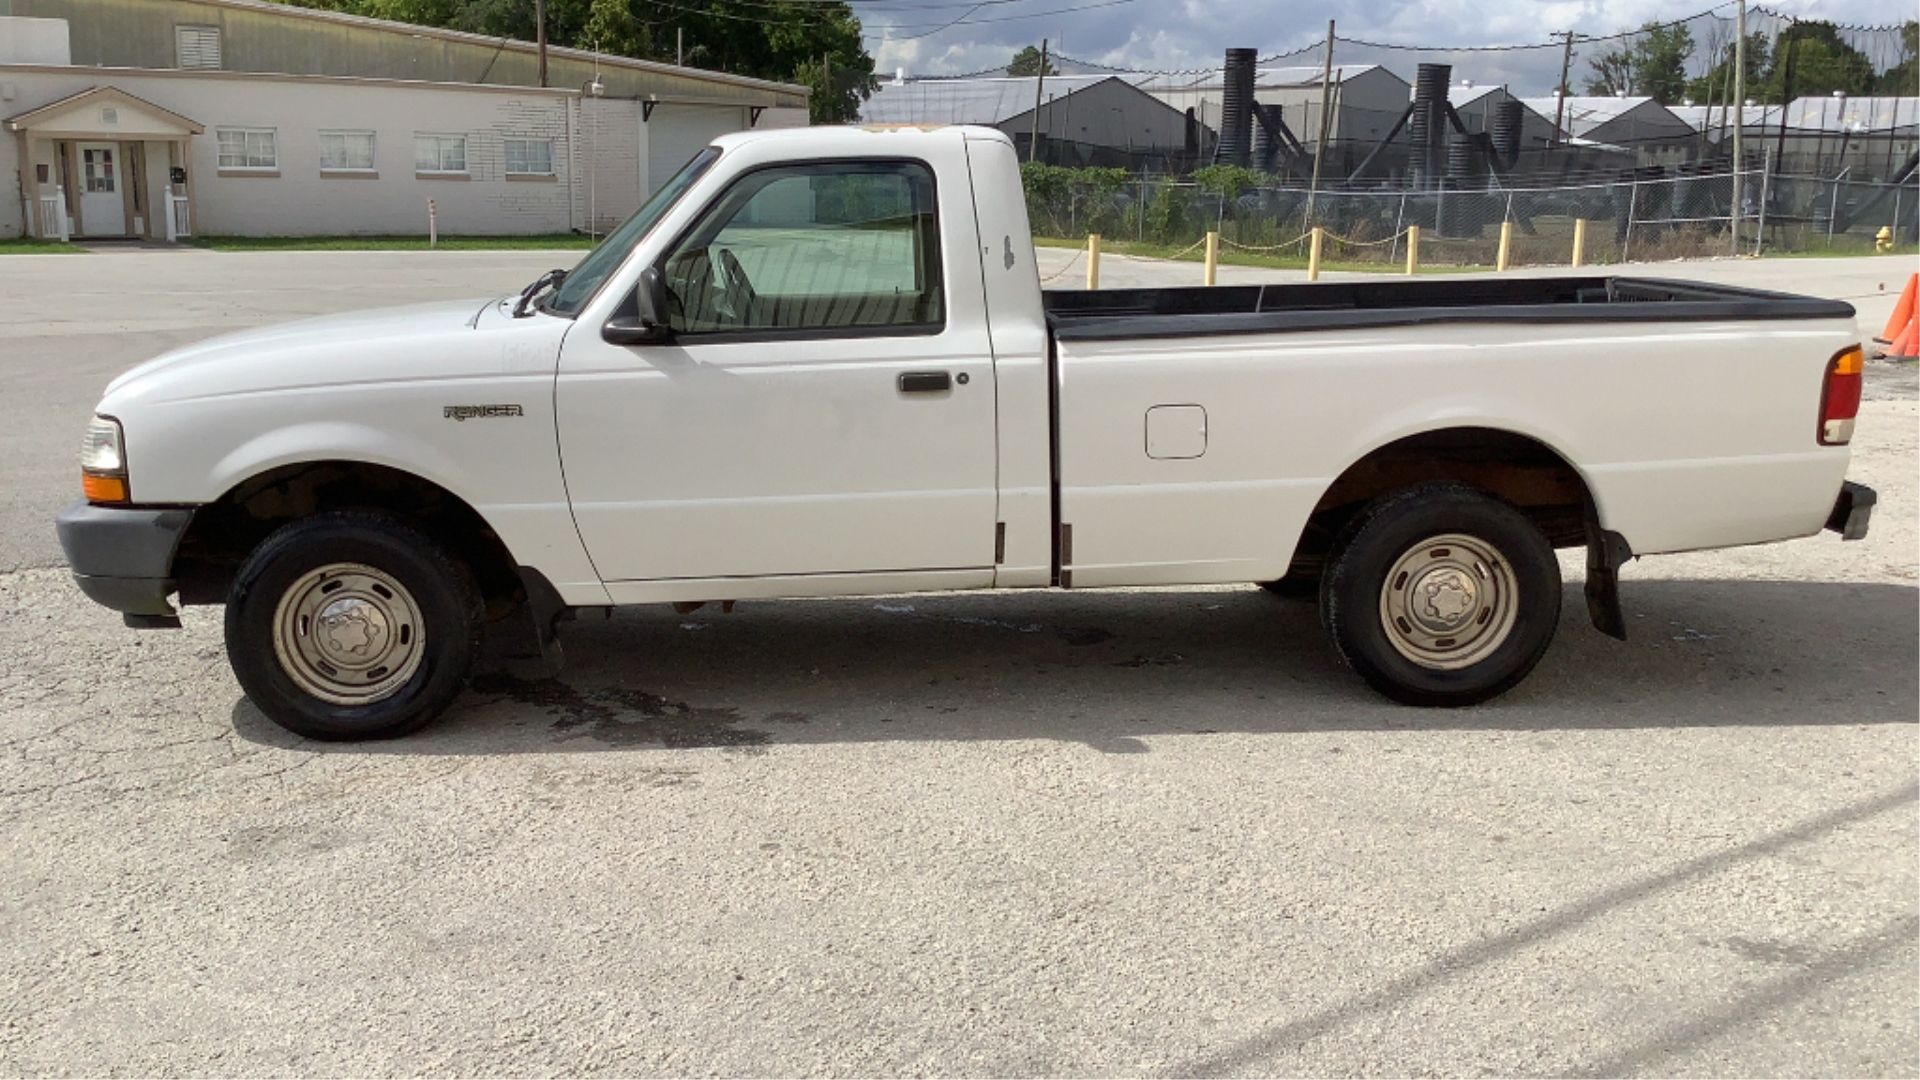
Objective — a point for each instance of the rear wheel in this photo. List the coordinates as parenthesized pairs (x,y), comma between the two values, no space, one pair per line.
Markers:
(352,626)
(1441,595)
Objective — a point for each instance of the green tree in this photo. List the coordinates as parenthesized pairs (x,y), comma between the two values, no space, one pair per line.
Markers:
(1716,84)
(1653,62)
(1903,79)
(1822,62)
(1027,62)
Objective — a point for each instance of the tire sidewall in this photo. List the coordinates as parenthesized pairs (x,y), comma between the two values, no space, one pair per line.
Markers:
(443,593)
(1350,594)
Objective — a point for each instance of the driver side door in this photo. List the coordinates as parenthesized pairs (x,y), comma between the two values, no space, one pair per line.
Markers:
(823,406)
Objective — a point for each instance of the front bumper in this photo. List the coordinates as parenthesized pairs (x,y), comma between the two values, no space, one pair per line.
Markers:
(122,557)
(1851,511)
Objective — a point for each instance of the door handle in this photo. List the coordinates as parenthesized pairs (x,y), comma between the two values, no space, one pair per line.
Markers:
(925,382)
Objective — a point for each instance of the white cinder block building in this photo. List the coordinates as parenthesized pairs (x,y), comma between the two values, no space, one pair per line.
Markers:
(92,150)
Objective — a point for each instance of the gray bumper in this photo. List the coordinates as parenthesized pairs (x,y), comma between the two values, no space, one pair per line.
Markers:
(122,558)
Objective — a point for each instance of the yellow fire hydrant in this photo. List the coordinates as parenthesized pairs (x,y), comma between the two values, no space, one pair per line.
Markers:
(1883,240)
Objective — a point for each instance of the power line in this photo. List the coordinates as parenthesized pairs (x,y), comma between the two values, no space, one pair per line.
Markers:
(963,21)
(954,22)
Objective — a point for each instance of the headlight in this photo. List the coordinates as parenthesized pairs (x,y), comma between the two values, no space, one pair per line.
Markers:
(103,462)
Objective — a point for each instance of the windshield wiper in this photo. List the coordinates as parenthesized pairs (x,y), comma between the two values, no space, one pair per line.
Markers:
(551,278)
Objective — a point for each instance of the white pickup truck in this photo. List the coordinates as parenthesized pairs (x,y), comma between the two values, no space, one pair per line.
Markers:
(819,363)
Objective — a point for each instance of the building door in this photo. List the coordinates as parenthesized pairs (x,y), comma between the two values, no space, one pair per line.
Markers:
(102,204)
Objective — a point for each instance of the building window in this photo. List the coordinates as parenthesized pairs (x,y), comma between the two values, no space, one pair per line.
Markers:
(342,151)
(248,148)
(529,157)
(440,153)
(196,46)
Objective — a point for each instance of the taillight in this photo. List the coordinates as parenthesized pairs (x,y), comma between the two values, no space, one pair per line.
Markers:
(1840,396)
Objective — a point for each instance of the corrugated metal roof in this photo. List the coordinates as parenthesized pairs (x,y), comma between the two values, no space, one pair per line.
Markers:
(1718,116)
(1584,113)
(513,44)
(967,101)
(1857,115)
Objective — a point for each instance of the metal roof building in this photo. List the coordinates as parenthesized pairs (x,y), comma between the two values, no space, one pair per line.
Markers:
(156,119)
(1082,120)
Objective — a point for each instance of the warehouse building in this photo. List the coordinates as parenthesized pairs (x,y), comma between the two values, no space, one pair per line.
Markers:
(1864,138)
(157,119)
(1649,129)
(1081,120)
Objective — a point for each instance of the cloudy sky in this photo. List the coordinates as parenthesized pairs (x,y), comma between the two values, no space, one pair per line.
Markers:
(1178,34)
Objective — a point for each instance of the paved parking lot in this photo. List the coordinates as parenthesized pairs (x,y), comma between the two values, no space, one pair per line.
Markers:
(1136,832)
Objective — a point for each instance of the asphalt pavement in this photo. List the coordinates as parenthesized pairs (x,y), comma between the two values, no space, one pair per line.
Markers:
(1140,832)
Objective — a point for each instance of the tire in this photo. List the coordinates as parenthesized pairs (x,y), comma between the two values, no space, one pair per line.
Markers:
(1471,605)
(352,625)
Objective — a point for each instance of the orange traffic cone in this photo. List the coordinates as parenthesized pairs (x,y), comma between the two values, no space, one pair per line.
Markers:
(1907,345)
(1902,312)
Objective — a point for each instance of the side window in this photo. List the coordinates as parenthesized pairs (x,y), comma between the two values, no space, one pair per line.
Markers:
(834,246)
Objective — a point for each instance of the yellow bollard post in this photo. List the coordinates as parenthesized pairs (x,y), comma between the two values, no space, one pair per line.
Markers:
(1093,261)
(1313,253)
(1213,256)
(1413,247)
(1502,260)
(1579,241)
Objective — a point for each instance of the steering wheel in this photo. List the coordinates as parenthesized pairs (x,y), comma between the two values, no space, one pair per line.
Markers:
(739,289)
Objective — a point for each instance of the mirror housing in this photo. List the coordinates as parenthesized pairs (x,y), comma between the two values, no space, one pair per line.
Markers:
(648,324)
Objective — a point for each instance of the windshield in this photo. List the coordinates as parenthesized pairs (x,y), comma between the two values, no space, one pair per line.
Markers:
(584,279)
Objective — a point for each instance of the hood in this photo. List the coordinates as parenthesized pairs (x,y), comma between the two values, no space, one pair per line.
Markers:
(352,333)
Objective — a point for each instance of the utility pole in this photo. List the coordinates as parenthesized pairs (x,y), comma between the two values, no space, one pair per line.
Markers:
(1039,80)
(540,35)
(826,82)
(1326,122)
(679,46)
(1560,98)
(1739,115)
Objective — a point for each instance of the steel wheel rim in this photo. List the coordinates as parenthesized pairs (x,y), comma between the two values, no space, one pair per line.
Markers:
(1449,601)
(348,634)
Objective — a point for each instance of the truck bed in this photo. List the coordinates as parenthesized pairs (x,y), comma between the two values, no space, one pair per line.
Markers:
(1110,314)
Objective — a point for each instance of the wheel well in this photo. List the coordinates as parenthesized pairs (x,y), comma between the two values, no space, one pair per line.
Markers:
(224,532)
(1523,471)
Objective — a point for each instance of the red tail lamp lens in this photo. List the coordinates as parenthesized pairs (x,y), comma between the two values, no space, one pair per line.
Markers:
(1840,396)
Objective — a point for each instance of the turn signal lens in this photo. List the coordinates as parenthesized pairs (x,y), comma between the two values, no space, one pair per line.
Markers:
(1840,396)
(104,489)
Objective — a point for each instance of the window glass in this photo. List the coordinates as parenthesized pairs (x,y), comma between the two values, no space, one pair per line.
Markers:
(440,153)
(346,150)
(532,157)
(585,278)
(247,148)
(844,245)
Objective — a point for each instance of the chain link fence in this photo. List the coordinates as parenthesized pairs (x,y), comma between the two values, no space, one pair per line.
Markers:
(1633,218)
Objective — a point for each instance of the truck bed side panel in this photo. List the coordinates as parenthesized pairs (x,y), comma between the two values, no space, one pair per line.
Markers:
(1689,434)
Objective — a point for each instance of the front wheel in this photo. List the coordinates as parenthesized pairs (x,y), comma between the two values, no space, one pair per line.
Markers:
(1441,595)
(352,626)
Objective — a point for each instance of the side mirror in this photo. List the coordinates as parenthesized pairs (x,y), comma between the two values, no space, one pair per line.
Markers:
(648,324)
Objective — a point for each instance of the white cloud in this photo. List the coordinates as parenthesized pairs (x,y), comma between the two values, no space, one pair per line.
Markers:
(1180,34)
